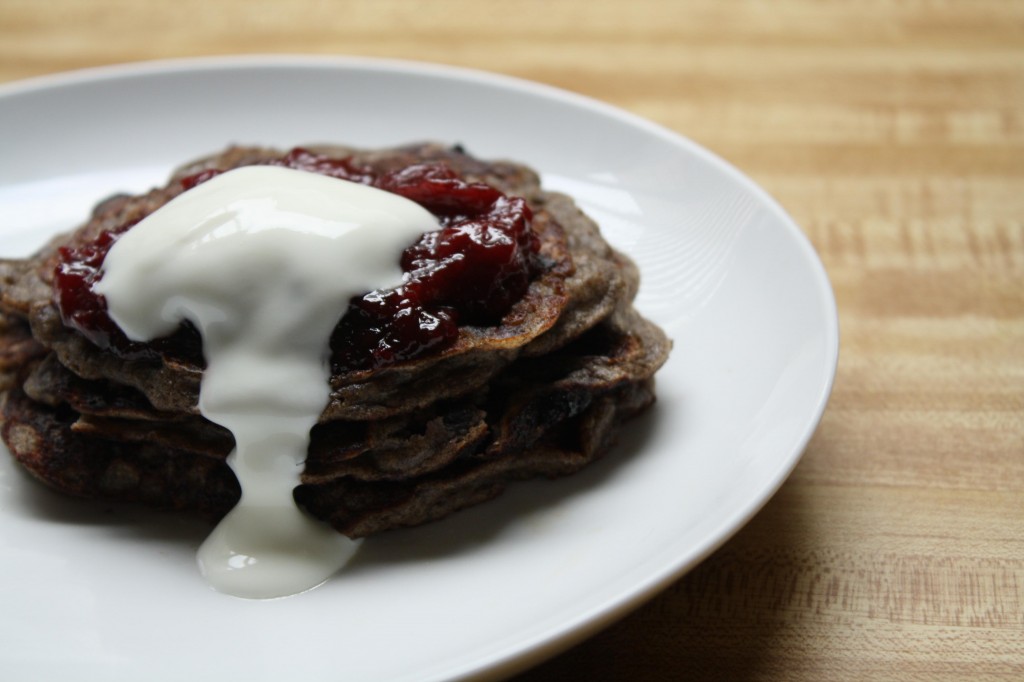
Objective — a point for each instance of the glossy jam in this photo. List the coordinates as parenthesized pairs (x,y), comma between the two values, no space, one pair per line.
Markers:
(471,271)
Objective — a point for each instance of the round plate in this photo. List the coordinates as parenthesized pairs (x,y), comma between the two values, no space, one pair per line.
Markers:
(95,592)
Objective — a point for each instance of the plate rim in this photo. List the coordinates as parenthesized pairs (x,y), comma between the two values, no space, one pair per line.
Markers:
(527,651)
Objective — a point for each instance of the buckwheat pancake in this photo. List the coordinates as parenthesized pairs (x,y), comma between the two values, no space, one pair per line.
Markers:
(539,392)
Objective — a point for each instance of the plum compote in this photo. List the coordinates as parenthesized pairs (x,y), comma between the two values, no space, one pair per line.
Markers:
(469,272)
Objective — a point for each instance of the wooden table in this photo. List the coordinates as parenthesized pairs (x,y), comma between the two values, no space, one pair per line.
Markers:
(894,133)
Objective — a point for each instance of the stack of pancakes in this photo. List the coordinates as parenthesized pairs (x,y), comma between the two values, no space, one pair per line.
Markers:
(541,393)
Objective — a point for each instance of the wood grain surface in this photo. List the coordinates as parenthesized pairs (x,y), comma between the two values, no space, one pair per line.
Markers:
(893,131)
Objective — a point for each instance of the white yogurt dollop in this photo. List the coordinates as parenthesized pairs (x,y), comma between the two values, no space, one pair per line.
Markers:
(263,261)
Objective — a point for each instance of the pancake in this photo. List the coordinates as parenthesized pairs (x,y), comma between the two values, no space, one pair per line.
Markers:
(539,392)
(546,416)
(584,282)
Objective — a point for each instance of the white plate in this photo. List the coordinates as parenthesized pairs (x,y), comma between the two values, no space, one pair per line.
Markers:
(90,592)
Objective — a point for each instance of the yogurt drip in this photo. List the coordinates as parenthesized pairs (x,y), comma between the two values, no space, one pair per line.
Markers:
(263,261)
